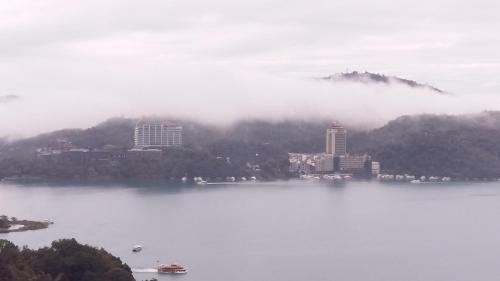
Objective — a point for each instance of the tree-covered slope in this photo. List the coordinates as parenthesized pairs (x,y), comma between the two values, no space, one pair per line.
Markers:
(464,146)
(460,146)
(250,148)
(65,260)
(375,78)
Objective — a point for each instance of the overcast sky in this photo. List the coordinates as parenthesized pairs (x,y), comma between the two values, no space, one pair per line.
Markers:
(74,63)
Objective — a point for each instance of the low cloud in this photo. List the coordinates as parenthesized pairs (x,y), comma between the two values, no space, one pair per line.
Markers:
(8,98)
(222,61)
(220,95)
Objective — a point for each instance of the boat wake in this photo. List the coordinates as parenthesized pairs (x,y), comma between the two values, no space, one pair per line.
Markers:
(144,270)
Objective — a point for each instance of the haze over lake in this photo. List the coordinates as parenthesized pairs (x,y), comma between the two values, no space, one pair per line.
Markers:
(277,231)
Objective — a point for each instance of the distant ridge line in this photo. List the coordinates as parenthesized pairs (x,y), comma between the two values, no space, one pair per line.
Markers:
(369,77)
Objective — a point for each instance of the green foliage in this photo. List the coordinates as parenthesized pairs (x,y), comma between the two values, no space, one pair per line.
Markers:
(65,260)
(437,145)
(4,222)
(440,145)
(209,152)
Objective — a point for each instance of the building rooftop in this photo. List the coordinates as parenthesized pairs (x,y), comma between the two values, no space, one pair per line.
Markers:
(144,150)
(158,121)
(336,125)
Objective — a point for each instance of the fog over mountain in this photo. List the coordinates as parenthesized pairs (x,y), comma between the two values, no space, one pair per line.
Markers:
(77,63)
(222,98)
(8,98)
(368,77)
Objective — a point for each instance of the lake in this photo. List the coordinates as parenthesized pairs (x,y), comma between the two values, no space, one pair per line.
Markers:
(288,231)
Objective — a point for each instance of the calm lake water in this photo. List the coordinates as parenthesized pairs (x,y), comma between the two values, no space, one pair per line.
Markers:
(277,231)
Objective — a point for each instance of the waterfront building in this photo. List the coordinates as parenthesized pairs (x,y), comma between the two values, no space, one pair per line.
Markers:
(376,168)
(306,163)
(137,154)
(352,163)
(324,163)
(76,155)
(301,163)
(336,140)
(157,133)
(335,159)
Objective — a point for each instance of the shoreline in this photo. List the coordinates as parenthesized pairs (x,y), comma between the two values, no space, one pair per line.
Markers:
(24,225)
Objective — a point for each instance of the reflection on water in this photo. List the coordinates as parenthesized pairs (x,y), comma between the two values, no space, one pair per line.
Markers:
(144,270)
(275,231)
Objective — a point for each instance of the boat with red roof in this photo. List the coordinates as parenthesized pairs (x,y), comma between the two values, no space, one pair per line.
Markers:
(172,268)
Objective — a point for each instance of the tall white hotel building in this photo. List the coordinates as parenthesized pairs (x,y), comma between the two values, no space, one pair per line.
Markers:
(157,133)
(336,140)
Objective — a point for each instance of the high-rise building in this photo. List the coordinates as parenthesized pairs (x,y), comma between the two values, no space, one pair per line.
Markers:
(157,133)
(336,140)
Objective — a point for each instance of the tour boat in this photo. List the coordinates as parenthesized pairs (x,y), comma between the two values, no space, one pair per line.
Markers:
(171,269)
(137,248)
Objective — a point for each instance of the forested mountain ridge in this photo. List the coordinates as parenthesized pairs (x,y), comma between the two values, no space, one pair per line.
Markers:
(460,146)
(368,77)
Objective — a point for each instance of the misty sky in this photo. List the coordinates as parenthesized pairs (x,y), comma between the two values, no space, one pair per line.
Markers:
(75,63)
